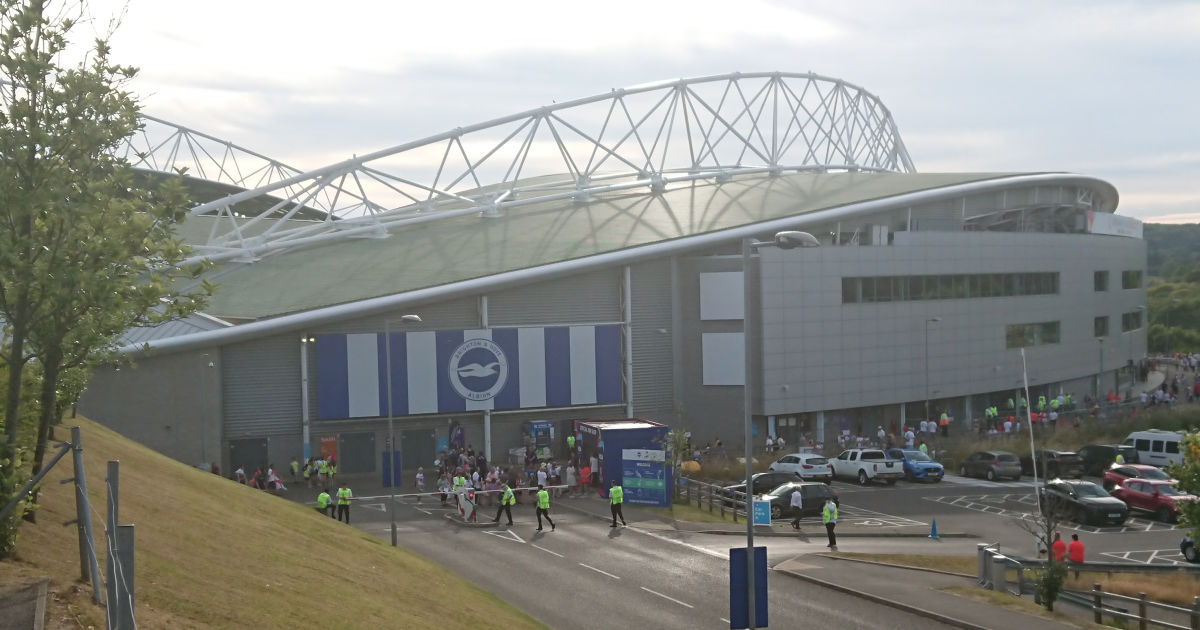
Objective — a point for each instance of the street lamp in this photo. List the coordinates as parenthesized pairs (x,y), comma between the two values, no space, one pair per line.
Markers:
(931,320)
(783,240)
(1100,371)
(1132,332)
(205,366)
(387,348)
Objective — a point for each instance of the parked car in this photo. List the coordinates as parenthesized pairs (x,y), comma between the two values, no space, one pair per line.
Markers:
(1118,473)
(992,465)
(867,465)
(808,466)
(813,493)
(917,465)
(1083,502)
(1052,463)
(1187,547)
(1156,496)
(1098,457)
(1155,446)
(763,483)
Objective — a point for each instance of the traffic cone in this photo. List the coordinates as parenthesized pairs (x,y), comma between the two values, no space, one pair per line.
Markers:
(933,531)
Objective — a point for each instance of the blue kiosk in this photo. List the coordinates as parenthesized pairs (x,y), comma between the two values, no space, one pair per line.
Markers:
(632,450)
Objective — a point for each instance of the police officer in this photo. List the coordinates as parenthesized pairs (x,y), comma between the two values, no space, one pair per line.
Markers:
(543,507)
(507,500)
(829,516)
(617,495)
(323,504)
(295,469)
(343,502)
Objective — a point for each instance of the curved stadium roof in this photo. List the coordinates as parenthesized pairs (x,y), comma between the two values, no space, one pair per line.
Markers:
(610,179)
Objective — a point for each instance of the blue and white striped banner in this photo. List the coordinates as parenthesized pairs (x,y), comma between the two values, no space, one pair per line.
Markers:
(450,371)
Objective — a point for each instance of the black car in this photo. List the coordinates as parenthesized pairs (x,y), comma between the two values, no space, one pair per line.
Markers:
(1083,502)
(1051,464)
(1098,457)
(763,483)
(814,494)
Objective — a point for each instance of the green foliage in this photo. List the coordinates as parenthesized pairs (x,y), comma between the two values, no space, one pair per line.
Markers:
(1049,582)
(1171,250)
(12,478)
(1188,474)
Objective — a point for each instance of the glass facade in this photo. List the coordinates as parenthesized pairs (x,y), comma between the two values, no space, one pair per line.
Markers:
(1025,335)
(1100,279)
(946,287)
(1131,321)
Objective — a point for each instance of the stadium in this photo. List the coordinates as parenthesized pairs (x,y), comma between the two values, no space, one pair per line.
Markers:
(616,257)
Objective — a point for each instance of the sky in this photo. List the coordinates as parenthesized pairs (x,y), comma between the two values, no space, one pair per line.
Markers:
(1102,88)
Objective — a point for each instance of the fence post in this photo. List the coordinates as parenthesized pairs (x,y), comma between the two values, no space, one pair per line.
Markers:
(1142,611)
(981,568)
(1097,603)
(1196,613)
(710,500)
(88,563)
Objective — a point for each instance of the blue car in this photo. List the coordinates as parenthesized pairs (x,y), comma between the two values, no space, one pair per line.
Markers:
(917,465)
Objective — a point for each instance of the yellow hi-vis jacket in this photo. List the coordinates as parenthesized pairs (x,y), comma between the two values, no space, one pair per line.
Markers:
(617,494)
(829,513)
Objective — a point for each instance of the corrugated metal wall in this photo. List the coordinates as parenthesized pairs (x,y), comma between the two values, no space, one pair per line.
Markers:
(583,298)
(653,370)
(260,387)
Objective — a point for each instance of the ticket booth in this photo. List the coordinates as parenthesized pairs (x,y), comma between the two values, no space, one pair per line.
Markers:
(633,451)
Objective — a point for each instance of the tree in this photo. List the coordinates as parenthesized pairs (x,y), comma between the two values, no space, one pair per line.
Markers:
(1188,474)
(85,252)
(1043,526)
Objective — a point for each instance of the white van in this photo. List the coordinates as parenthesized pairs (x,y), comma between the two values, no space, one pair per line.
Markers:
(1156,447)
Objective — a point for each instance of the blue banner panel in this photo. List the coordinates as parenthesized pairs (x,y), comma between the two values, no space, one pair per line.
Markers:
(739,610)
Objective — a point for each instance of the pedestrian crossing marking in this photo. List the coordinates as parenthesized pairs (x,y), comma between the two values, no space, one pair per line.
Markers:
(506,534)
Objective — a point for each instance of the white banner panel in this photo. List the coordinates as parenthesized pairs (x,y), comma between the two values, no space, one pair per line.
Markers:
(1114,225)
(724,358)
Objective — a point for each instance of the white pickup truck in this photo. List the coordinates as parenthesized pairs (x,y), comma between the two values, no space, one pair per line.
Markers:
(867,465)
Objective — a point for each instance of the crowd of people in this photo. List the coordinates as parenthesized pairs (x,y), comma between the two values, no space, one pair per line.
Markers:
(471,468)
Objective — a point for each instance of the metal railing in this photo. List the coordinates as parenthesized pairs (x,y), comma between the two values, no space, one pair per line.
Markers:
(1142,616)
(717,498)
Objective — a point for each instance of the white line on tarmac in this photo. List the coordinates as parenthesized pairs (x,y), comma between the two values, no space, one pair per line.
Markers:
(723,619)
(423,510)
(553,553)
(668,598)
(708,552)
(615,577)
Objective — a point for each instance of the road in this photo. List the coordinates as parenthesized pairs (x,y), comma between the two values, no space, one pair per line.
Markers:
(588,575)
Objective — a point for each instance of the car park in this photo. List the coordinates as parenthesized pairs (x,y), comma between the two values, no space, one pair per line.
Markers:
(918,466)
(991,465)
(763,483)
(1098,457)
(1158,497)
(1118,473)
(1052,463)
(1082,501)
(813,494)
(867,465)
(808,466)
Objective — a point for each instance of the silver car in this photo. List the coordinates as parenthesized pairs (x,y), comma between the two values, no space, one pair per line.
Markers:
(809,466)
(992,465)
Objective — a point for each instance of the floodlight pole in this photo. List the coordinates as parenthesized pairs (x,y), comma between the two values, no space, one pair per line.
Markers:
(1029,421)
(931,320)
(391,446)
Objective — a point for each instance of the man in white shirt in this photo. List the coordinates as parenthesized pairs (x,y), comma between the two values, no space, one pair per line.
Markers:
(882,435)
(770,444)
(779,443)
(1008,426)
(541,476)
(909,437)
(797,506)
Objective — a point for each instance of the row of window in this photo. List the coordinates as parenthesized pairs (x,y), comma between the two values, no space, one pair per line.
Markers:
(1130,279)
(1024,335)
(946,287)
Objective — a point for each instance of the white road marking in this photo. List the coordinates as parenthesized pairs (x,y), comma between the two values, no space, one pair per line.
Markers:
(553,553)
(707,552)
(506,534)
(375,506)
(667,598)
(615,577)
(424,510)
(724,619)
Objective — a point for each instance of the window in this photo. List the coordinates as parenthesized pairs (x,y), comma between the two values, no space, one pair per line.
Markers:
(1172,447)
(1131,321)
(1100,280)
(1100,326)
(1025,335)
(1142,444)
(946,287)
(1131,279)
(1156,446)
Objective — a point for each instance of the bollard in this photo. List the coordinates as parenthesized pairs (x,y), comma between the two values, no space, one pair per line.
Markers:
(1141,611)
(1196,613)
(1097,604)
(981,553)
(999,566)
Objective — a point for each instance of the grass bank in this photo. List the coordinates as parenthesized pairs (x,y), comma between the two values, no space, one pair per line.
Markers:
(215,554)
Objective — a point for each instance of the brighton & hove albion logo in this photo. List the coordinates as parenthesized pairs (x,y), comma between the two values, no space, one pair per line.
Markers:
(478,369)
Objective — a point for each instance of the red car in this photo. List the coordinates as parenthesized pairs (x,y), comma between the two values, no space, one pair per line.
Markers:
(1118,473)
(1156,496)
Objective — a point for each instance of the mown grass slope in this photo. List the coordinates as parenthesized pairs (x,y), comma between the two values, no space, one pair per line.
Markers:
(215,554)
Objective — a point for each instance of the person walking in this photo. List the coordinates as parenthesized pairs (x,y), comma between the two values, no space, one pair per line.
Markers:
(507,500)
(344,495)
(1075,553)
(829,515)
(797,503)
(617,495)
(543,507)
(295,469)
(324,504)
(420,478)
(1059,548)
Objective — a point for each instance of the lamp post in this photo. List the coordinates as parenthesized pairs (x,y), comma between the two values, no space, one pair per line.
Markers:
(1137,310)
(931,320)
(387,348)
(782,240)
(204,367)
(1029,421)
(1100,371)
